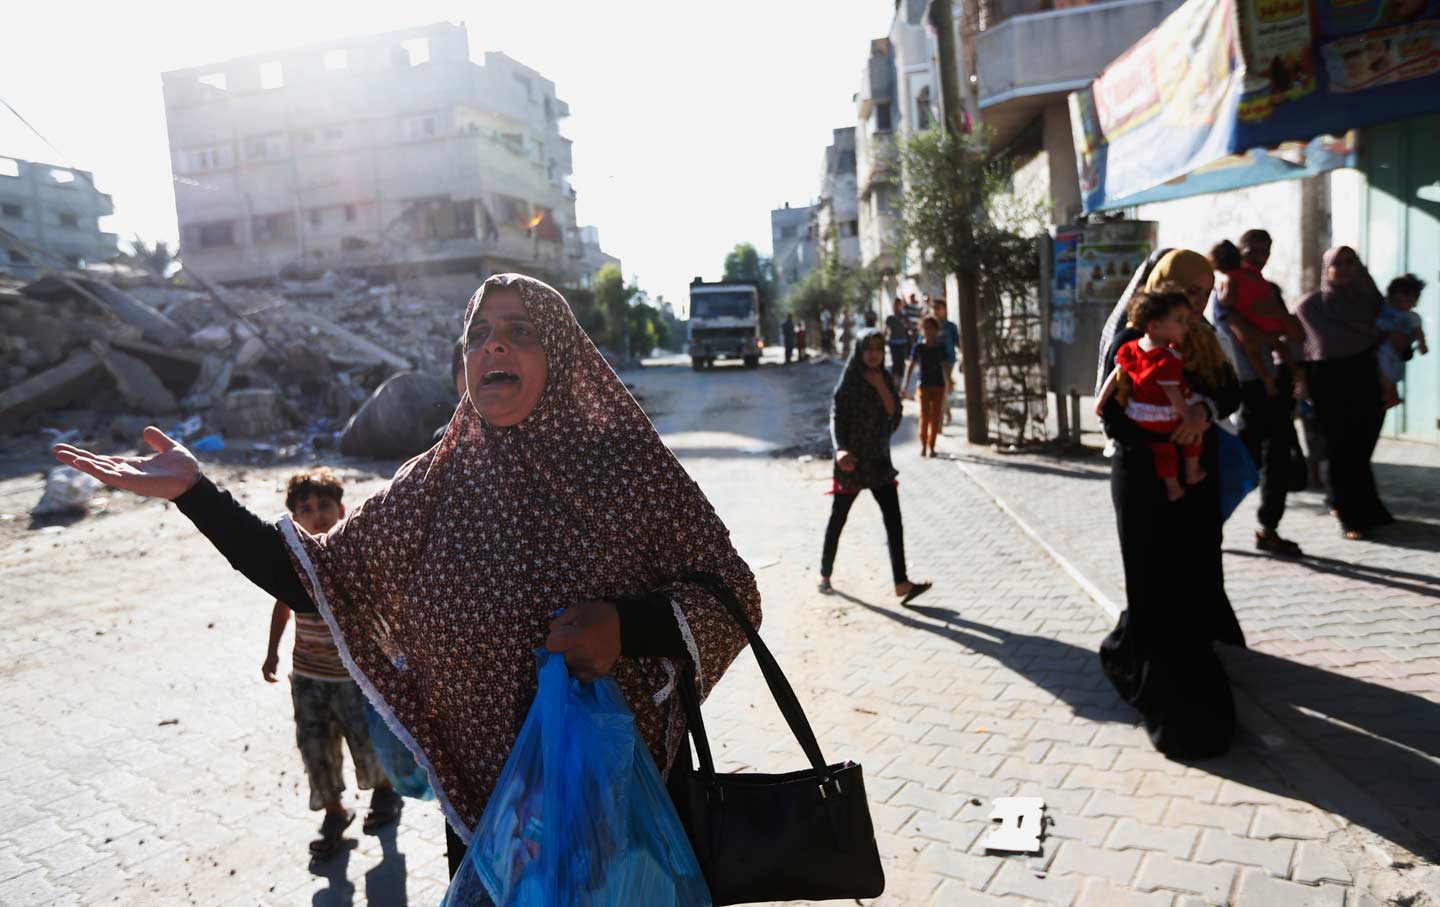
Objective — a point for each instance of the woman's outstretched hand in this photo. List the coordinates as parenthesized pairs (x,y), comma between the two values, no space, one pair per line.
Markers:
(588,633)
(168,473)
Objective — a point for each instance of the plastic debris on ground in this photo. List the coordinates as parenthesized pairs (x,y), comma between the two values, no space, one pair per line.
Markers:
(579,816)
(68,491)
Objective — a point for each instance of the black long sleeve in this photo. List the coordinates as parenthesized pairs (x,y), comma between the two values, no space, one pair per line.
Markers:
(251,545)
(257,549)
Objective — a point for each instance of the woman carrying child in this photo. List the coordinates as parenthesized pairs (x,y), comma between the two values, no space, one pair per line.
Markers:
(1158,397)
(864,413)
(1160,656)
(550,490)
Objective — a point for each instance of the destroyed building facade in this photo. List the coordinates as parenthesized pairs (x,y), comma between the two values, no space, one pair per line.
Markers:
(54,212)
(392,155)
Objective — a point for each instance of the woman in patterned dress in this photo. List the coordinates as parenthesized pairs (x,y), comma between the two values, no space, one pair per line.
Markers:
(549,492)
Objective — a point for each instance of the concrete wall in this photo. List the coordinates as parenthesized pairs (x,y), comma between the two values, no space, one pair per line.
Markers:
(1042,52)
(838,210)
(1200,222)
(41,201)
(350,152)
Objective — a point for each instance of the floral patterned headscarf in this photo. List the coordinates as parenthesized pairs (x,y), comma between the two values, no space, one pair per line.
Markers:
(442,585)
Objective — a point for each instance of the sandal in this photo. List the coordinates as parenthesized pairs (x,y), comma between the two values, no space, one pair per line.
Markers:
(916,590)
(825,587)
(385,807)
(331,830)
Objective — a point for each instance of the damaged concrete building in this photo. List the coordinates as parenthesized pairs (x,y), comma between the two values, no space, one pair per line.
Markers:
(392,156)
(55,213)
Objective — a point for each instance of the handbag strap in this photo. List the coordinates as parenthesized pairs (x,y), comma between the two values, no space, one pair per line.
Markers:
(775,679)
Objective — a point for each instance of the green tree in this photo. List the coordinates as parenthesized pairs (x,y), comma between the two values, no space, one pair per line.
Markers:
(833,285)
(156,259)
(647,329)
(612,297)
(744,263)
(959,208)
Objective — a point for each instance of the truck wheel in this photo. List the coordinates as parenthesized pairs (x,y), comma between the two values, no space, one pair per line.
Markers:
(752,361)
(697,363)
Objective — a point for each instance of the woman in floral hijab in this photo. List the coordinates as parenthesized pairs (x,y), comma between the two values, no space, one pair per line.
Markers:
(549,492)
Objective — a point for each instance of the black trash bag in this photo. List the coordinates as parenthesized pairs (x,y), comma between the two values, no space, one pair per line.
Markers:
(399,419)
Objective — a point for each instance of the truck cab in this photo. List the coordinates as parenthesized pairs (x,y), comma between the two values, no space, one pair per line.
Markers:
(725,323)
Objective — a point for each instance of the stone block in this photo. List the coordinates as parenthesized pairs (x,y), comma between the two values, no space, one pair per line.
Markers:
(251,413)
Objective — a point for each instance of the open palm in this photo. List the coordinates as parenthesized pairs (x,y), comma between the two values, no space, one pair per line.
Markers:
(168,473)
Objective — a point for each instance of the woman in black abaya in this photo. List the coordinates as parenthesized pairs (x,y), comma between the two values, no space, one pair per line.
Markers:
(1160,656)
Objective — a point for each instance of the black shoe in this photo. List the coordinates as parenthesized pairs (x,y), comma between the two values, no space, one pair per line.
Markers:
(1270,540)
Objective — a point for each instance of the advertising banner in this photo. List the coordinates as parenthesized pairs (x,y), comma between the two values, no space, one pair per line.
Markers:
(1219,78)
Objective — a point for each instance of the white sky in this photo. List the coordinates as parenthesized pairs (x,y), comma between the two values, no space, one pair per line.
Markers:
(690,120)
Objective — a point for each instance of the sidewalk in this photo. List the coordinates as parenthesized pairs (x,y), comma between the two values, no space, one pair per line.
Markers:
(1342,680)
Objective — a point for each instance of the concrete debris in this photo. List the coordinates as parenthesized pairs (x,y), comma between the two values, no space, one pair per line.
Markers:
(399,419)
(50,389)
(138,385)
(283,366)
(252,413)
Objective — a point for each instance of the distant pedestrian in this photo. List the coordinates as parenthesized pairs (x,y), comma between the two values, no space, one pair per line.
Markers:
(847,332)
(801,354)
(950,336)
(827,333)
(329,707)
(929,357)
(864,413)
(899,338)
(1344,381)
(872,318)
(787,333)
(1401,333)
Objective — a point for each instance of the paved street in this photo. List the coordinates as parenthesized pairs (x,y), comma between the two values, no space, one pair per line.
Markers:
(147,762)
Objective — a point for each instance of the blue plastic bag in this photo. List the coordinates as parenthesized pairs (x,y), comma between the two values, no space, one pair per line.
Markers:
(406,776)
(579,816)
(1238,475)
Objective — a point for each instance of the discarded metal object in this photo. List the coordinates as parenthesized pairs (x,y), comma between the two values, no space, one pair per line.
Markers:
(1022,823)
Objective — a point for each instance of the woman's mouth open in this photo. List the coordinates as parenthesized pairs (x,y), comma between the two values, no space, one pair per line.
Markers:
(499,378)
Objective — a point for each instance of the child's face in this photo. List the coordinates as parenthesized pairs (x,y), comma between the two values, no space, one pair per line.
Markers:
(873,355)
(318,514)
(1404,301)
(1172,327)
(929,331)
(505,365)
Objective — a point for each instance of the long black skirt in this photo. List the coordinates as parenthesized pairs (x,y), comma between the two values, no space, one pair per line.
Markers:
(1161,657)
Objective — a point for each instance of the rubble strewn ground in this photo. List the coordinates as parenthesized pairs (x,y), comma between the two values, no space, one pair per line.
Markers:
(273,366)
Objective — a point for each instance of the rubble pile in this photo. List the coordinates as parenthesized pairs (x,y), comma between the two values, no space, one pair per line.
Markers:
(259,367)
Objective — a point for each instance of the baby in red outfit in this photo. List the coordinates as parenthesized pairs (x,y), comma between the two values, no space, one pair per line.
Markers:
(1152,368)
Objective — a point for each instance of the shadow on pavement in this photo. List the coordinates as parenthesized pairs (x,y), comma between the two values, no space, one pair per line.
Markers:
(1029,466)
(385,882)
(1415,583)
(340,892)
(1384,740)
(1069,673)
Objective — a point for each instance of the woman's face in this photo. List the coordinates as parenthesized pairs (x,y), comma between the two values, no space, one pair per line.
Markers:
(505,365)
(873,355)
(1344,269)
(1199,293)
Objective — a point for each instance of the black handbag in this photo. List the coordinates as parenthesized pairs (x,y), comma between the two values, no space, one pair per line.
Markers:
(803,835)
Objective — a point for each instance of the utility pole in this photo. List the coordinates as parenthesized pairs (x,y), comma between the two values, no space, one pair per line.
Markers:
(967,278)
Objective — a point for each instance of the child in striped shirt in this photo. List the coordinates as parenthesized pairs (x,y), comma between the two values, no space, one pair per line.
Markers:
(328,703)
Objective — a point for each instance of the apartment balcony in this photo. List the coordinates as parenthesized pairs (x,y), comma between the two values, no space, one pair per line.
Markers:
(1032,53)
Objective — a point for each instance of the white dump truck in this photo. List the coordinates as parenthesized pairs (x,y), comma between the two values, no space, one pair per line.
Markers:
(725,322)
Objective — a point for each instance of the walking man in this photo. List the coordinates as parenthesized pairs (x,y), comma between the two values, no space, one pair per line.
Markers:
(897,334)
(787,333)
(1267,410)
